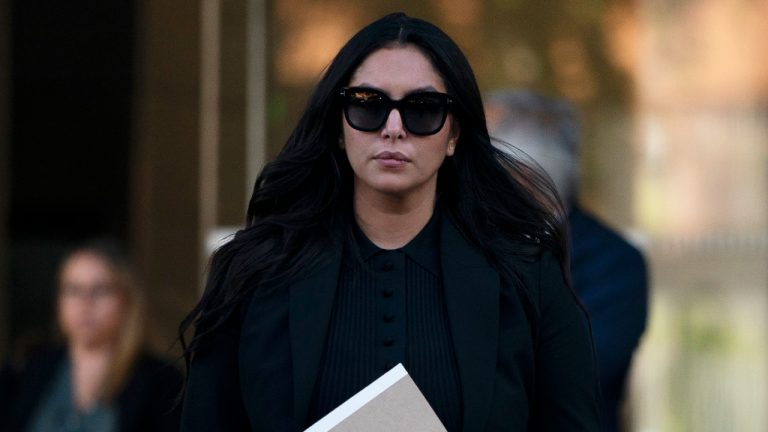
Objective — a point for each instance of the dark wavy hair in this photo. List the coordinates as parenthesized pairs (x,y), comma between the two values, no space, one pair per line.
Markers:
(301,201)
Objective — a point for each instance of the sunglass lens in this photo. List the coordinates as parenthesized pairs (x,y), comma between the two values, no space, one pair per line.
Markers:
(366,111)
(424,114)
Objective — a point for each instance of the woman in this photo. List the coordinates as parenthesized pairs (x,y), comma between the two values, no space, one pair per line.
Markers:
(102,380)
(389,230)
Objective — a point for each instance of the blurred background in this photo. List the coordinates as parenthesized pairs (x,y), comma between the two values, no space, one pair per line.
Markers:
(149,121)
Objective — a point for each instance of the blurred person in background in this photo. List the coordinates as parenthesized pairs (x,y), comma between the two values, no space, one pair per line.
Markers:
(608,273)
(101,379)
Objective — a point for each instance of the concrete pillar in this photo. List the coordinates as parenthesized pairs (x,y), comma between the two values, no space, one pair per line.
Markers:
(239,152)
(242,113)
(257,58)
(200,122)
(165,218)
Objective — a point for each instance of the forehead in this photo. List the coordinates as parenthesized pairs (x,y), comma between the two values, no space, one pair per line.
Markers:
(85,265)
(397,70)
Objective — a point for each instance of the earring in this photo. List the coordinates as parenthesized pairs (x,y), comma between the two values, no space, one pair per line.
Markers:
(341,142)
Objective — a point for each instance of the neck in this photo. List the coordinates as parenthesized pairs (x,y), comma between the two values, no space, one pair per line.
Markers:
(391,221)
(90,366)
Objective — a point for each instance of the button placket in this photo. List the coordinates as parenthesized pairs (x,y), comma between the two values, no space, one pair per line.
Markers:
(391,309)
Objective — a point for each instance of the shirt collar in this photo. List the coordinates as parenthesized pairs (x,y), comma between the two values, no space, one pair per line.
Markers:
(424,249)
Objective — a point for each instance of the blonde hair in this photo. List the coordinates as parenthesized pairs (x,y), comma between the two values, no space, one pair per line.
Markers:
(131,337)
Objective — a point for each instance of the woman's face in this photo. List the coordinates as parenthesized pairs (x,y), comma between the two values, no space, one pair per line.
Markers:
(91,307)
(391,160)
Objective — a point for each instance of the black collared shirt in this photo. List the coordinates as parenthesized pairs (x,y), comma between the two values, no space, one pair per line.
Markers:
(390,308)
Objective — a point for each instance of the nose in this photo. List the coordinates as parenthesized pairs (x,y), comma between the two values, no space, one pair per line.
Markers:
(393,128)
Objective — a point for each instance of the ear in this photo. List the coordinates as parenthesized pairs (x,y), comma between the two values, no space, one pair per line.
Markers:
(453,138)
(451,147)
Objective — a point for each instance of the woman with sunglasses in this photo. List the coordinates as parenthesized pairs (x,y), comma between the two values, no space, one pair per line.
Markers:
(390,230)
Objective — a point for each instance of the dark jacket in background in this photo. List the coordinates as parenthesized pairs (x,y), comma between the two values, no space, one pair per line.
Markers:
(147,403)
(609,276)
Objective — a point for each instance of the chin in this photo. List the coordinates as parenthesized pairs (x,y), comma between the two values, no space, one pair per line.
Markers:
(87,337)
(96,342)
(393,189)
(398,182)
(391,184)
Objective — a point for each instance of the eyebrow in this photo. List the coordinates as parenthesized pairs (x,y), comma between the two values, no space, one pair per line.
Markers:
(427,88)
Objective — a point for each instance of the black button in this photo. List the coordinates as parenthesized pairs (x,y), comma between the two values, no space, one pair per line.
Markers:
(388,342)
(388,266)
(387,292)
(388,318)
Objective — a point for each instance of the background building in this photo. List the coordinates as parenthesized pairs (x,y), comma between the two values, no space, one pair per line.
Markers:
(149,121)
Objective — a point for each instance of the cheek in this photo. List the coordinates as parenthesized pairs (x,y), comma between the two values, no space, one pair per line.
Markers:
(68,313)
(353,147)
(111,313)
(436,150)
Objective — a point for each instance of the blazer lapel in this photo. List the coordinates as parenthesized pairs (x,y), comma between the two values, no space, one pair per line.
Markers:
(472,299)
(311,304)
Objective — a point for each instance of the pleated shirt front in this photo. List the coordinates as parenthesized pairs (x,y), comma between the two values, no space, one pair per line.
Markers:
(390,308)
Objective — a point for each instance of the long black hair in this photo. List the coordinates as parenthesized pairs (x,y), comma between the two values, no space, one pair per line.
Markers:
(301,201)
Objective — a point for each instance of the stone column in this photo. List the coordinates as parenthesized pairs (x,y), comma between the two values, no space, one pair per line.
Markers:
(165,215)
(199,130)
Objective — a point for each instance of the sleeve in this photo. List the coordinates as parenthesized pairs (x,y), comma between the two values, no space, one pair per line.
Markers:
(212,400)
(567,390)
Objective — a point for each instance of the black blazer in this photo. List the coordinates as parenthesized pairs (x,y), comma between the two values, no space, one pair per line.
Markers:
(147,403)
(258,372)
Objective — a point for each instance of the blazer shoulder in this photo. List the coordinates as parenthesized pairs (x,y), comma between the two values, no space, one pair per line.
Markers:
(26,382)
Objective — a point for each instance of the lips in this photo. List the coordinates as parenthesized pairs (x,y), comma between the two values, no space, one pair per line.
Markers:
(388,155)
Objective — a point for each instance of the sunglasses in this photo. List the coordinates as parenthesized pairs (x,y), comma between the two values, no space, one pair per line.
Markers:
(422,113)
